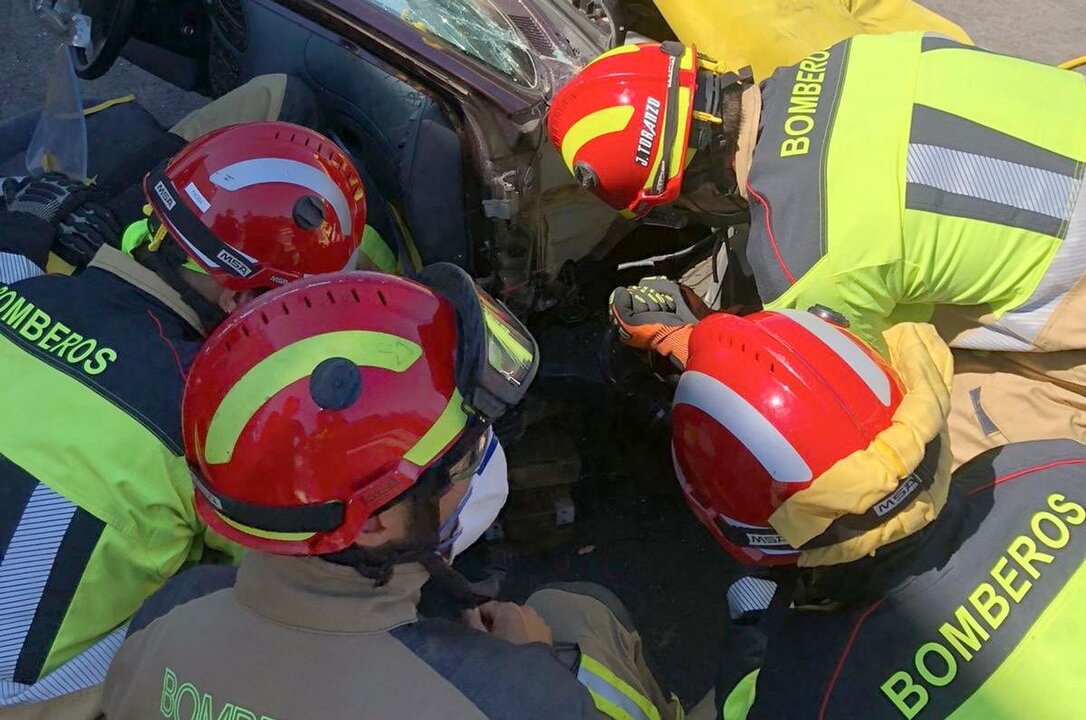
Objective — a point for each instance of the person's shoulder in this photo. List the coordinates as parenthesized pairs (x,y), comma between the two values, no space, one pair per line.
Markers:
(1023,467)
(504,680)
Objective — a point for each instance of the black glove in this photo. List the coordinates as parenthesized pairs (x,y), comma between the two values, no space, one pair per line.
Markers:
(82,233)
(52,197)
(9,188)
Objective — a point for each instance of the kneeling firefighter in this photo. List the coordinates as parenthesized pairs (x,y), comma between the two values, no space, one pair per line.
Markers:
(97,501)
(340,428)
(900,593)
(888,178)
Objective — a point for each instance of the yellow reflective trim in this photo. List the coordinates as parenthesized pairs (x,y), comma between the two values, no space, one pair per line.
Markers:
(674,164)
(449,424)
(741,698)
(608,708)
(620,50)
(594,667)
(377,250)
(592,126)
(363,347)
(108,104)
(266,534)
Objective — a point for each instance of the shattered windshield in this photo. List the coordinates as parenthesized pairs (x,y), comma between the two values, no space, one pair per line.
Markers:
(476,27)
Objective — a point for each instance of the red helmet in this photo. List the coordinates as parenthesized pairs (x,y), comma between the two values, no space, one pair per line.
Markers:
(611,121)
(260,204)
(767,404)
(317,404)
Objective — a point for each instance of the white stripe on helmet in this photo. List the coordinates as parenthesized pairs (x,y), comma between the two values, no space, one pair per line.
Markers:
(268,170)
(744,421)
(834,338)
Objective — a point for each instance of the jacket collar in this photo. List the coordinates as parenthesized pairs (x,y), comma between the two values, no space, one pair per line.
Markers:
(317,595)
(128,269)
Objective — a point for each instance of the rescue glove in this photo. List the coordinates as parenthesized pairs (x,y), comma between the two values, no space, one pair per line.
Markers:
(9,188)
(654,316)
(52,197)
(83,232)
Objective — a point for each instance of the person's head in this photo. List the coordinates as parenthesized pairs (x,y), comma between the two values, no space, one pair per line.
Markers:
(644,125)
(796,444)
(248,208)
(342,416)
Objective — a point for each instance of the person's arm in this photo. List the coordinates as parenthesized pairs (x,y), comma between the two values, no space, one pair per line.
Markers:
(52,214)
(24,246)
(864,296)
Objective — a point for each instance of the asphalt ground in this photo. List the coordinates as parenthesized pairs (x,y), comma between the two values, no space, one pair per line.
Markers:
(633,531)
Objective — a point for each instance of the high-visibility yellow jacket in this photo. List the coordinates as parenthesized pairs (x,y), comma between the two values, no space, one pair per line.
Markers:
(768,34)
(894,175)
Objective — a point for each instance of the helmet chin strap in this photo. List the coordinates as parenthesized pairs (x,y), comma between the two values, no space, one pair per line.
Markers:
(378,564)
(166,262)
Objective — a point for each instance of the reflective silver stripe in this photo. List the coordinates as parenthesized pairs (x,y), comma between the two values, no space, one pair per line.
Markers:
(747,423)
(25,569)
(14,268)
(835,338)
(269,170)
(85,670)
(1017,329)
(598,686)
(991,179)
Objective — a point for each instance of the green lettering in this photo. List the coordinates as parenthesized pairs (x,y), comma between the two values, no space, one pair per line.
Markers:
(802,76)
(6,297)
(795,146)
(35,325)
(201,704)
(1063,535)
(227,712)
(967,633)
(18,310)
(811,65)
(168,704)
(1006,580)
(984,599)
(900,688)
(243,714)
(54,333)
(70,341)
(1030,555)
(100,362)
(803,105)
(82,351)
(1061,504)
(798,125)
(925,672)
(805,89)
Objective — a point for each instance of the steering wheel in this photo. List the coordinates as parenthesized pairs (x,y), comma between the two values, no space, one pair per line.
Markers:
(111,21)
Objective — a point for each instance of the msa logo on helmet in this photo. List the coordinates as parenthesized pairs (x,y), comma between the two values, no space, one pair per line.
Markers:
(649,121)
(164,194)
(765,539)
(234,263)
(903,493)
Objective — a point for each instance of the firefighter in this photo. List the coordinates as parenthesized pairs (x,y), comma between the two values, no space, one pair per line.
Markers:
(888,178)
(97,501)
(340,429)
(824,467)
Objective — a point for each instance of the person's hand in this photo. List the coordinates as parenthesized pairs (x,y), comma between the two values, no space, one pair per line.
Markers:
(517,624)
(83,232)
(655,316)
(52,197)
